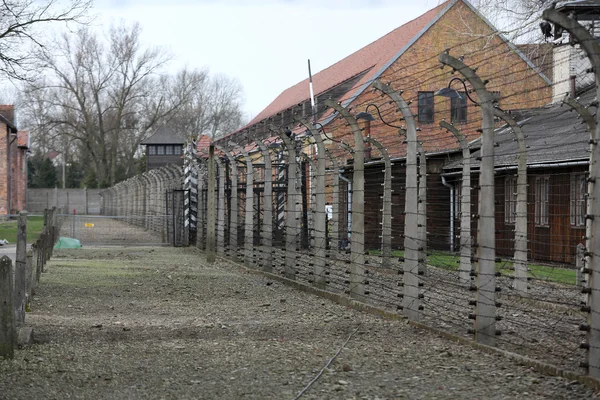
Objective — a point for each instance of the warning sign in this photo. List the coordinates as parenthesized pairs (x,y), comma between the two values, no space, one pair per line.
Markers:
(89,225)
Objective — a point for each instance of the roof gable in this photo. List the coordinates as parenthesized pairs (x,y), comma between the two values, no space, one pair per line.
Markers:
(375,57)
(164,135)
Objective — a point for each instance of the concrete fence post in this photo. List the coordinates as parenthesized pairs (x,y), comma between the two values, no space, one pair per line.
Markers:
(386,211)
(233,203)
(210,206)
(319,214)
(37,259)
(334,234)
(31,283)
(221,208)
(292,215)
(579,265)
(8,332)
(348,228)
(311,206)
(485,309)
(249,211)
(411,297)
(591,47)
(267,225)
(422,209)
(465,266)
(53,229)
(20,279)
(200,232)
(520,256)
(357,244)
(44,239)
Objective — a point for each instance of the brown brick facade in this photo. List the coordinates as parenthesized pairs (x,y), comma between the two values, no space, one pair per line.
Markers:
(13,164)
(418,70)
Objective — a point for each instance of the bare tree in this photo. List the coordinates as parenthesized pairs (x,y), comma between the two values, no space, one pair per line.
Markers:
(518,20)
(214,110)
(106,95)
(20,21)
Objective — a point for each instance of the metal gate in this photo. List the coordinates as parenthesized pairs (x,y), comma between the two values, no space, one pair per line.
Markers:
(177,234)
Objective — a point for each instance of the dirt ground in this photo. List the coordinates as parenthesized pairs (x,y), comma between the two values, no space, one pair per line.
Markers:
(159,323)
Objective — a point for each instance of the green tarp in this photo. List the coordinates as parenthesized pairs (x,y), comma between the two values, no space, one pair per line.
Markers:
(67,243)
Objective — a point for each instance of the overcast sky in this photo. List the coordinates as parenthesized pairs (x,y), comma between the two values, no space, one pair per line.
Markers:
(264,44)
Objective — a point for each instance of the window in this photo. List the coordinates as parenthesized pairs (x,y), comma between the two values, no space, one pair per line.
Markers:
(168,150)
(160,150)
(542,194)
(426,107)
(458,108)
(510,199)
(457,199)
(151,150)
(177,150)
(578,195)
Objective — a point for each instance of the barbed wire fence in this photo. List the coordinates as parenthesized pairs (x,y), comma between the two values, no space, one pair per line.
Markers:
(451,226)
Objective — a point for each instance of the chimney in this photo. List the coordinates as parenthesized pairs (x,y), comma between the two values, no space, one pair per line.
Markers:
(8,112)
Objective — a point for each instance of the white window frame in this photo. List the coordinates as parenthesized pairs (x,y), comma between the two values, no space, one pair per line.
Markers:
(578,196)
(458,199)
(510,199)
(542,200)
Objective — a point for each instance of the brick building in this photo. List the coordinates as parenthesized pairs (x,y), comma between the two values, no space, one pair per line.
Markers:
(13,163)
(407,59)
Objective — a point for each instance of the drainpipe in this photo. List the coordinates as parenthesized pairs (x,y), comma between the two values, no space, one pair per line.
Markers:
(451,187)
(349,182)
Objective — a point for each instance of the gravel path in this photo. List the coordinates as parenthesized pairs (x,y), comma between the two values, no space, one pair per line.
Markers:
(158,323)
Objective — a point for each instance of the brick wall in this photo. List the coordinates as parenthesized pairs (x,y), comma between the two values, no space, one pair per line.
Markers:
(13,165)
(4,137)
(418,69)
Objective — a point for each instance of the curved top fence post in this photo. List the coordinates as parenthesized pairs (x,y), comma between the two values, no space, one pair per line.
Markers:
(357,244)
(320,216)
(249,208)
(292,231)
(233,203)
(412,253)
(267,226)
(592,49)
(465,267)
(485,314)
(521,206)
(386,223)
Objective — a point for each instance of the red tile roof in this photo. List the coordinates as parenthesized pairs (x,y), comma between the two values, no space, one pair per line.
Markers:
(374,57)
(23,138)
(51,155)
(203,144)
